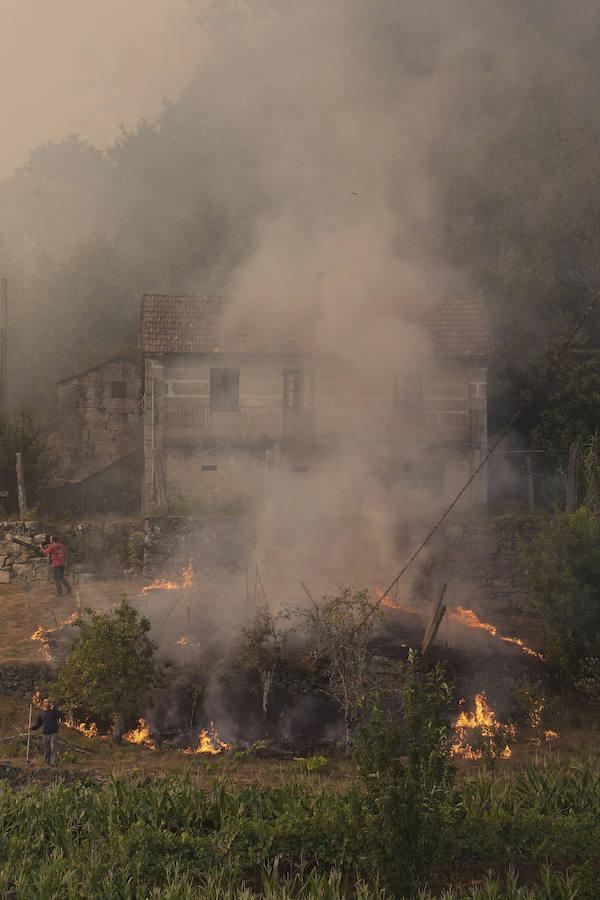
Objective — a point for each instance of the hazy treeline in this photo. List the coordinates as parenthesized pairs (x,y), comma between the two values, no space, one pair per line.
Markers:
(468,128)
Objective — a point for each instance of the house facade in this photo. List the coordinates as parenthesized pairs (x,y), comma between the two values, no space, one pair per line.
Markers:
(229,402)
(100,431)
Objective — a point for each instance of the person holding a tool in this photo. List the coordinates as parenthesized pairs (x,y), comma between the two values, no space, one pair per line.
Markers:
(57,552)
(48,719)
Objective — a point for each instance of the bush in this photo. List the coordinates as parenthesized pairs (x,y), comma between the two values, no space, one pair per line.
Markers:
(109,672)
(19,433)
(562,575)
(405,807)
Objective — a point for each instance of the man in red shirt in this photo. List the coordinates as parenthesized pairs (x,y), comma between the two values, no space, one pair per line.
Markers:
(57,552)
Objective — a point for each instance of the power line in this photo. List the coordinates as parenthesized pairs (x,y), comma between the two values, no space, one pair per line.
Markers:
(552,369)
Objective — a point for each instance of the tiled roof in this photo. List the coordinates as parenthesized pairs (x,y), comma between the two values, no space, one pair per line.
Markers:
(459,327)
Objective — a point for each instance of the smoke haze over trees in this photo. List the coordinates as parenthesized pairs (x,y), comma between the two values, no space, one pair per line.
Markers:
(457,143)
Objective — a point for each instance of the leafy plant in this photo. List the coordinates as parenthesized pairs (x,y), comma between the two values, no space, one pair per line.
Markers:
(19,433)
(262,650)
(561,567)
(109,672)
(340,628)
(404,806)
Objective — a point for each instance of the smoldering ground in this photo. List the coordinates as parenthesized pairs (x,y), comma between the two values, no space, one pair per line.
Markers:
(345,155)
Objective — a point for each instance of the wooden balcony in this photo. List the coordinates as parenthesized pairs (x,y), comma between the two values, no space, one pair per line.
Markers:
(193,423)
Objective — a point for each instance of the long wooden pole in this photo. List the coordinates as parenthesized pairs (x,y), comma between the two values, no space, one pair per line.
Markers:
(530,488)
(21,487)
(28,735)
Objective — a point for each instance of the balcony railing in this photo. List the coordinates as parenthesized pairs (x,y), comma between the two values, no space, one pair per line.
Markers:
(271,423)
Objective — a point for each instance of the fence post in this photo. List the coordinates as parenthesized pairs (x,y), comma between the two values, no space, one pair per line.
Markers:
(530,486)
(571,492)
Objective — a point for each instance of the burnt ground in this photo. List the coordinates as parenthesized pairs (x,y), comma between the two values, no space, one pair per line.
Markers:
(474,659)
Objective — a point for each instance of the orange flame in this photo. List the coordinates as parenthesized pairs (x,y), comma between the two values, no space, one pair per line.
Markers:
(208,742)
(484,720)
(471,620)
(87,730)
(550,735)
(187,575)
(161,584)
(388,603)
(182,641)
(140,735)
(43,634)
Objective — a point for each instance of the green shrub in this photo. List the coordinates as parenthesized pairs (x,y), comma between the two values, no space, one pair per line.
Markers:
(561,568)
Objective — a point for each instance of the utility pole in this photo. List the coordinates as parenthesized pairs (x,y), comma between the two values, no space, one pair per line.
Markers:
(3,346)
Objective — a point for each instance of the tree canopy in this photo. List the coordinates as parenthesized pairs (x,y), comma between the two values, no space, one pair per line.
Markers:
(110,670)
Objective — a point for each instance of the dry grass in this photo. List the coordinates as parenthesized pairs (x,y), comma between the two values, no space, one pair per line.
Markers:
(23,611)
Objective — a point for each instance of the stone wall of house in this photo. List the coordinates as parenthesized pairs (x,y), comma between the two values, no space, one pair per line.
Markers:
(203,459)
(99,417)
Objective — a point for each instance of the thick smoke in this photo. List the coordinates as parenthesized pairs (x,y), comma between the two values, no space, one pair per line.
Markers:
(343,155)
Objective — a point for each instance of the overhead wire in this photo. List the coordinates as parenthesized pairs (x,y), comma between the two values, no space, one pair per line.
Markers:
(552,369)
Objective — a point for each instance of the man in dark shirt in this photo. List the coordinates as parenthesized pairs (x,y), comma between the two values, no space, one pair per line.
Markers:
(48,720)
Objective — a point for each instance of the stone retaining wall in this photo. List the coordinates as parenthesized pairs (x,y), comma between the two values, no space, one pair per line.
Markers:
(21,679)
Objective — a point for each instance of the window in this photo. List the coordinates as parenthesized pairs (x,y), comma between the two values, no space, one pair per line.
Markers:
(224,390)
(408,392)
(297,389)
(118,389)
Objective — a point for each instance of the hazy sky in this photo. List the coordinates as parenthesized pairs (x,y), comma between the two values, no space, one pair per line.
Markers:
(81,66)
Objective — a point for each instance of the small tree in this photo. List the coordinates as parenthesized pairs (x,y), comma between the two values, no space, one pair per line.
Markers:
(341,628)
(404,803)
(109,672)
(19,434)
(562,575)
(263,645)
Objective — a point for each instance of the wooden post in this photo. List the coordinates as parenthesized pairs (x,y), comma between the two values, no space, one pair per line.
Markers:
(28,735)
(434,622)
(262,587)
(530,488)
(21,487)
(571,491)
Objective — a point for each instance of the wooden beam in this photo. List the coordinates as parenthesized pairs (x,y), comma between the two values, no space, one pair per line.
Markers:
(434,622)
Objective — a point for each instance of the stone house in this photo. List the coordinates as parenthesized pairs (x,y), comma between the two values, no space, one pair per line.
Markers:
(226,400)
(100,429)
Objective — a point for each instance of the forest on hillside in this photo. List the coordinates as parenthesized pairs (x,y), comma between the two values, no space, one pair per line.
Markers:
(473,141)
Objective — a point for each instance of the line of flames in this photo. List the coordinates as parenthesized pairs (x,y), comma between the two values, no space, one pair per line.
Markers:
(209,742)
(42,634)
(163,584)
(469,618)
(466,617)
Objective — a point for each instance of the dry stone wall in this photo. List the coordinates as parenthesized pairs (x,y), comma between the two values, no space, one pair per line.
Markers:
(22,679)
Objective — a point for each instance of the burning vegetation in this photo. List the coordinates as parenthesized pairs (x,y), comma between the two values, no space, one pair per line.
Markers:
(209,743)
(479,734)
(140,735)
(163,584)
